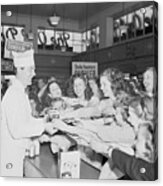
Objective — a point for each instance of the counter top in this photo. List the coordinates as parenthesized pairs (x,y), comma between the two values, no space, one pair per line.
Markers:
(46,165)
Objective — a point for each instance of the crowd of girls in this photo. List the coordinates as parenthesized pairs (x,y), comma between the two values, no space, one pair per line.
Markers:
(125,120)
(121,112)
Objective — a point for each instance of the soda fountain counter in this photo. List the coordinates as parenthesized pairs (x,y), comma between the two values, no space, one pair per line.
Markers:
(46,166)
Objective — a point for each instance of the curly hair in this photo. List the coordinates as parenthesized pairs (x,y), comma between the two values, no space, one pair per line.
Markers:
(147,105)
(152,69)
(150,141)
(97,82)
(46,100)
(117,80)
(50,83)
(88,92)
(155,77)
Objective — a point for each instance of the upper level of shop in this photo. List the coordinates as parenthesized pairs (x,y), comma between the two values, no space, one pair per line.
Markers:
(115,24)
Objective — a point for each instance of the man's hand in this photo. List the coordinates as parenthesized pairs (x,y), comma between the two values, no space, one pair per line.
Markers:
(50,128)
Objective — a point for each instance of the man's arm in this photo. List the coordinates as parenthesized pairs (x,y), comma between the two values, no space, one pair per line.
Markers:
(20,123)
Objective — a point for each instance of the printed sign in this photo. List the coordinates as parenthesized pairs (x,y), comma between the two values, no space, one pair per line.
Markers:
(17,46)
(88,68)
(70,164)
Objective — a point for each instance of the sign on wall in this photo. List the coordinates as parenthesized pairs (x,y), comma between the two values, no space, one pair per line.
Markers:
(88,68)
(17,46)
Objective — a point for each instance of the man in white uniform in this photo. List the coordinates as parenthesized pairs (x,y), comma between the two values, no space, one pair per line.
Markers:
(17,123)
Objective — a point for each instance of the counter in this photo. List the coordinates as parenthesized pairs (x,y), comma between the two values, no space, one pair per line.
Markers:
(46,166)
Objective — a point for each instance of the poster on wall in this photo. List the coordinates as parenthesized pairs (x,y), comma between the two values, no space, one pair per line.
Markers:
(85,67)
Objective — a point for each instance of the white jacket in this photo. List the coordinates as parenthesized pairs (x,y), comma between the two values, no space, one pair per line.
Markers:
(17,126)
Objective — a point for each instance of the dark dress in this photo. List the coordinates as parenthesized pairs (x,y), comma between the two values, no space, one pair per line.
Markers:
(135,168)
(46,101)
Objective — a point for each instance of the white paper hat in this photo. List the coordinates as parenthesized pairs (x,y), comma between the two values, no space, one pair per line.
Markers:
(24,59)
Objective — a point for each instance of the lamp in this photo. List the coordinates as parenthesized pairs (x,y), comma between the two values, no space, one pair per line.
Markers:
(30,34)
(54,20)
(63,47)
(86,40)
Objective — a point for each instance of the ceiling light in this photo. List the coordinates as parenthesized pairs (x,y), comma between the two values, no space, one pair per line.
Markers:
(142,10)
(54,20)
(8,13)
(30,34)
